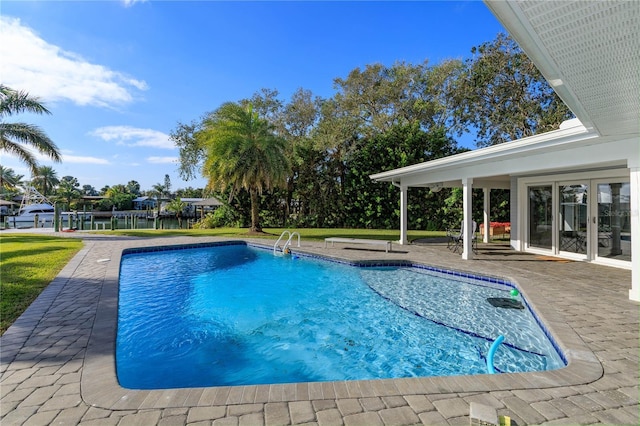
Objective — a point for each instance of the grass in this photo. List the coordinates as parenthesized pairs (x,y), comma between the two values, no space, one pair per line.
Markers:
(28,263)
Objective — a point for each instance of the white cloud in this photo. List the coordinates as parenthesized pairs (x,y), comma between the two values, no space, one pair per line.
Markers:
(30,63)
(77,159)
(133,136)
(67,157)
(129,3)
(162,160)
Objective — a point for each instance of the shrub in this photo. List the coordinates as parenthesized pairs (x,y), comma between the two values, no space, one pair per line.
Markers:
(221,217)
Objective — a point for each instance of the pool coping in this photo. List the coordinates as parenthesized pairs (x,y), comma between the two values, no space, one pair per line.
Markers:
(100,387)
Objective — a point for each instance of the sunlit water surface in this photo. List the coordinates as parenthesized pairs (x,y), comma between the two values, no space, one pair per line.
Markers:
(238,315)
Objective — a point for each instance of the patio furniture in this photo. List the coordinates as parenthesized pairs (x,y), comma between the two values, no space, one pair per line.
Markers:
(452,236)
(573,241)
(456,242)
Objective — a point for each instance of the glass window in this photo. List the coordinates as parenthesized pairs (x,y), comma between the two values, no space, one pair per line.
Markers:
(540,216)
(573,218)
(614,226)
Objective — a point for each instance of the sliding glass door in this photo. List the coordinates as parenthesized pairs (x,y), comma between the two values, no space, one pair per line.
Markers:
(579,216)
(573,218)
(540,217)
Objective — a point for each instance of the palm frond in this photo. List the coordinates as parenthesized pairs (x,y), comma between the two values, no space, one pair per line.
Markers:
(15,102)
(20,152)
(14,135)
(22,133)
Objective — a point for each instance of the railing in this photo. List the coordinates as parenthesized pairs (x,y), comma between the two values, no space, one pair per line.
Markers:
(287,243)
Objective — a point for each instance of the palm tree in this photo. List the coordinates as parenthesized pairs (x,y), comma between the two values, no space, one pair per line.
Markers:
(242,152)
(13,136)
(89,190)
(9,180)
(158,190)
(45,179)
(177,206)
(69,190)
(133,187)
(9,183)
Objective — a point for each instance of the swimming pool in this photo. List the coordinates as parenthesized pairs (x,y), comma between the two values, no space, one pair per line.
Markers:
(235,314)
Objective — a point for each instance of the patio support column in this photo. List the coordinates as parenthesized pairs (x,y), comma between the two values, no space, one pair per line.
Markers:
(404,192)
(634,292)
(467,218)
(487,219)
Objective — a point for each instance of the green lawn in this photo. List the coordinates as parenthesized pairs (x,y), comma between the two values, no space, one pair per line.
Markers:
(28,263)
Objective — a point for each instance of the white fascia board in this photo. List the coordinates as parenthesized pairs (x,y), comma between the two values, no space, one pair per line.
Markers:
(605,153)
(547,141)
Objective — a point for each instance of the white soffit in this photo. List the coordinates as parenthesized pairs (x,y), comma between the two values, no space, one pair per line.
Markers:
(589,51)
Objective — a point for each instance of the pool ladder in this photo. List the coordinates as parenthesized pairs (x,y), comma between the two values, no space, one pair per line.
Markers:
(287,243)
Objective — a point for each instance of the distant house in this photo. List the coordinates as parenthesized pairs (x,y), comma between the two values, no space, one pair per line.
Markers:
(203,205)
(190,209)
(144,203)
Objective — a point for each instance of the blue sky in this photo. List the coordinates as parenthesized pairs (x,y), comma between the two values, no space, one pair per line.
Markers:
(119,75)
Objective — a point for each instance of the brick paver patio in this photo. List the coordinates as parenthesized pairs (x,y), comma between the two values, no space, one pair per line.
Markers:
(58,358)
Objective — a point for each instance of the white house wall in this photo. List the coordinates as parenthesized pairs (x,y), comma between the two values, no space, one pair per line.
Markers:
(634,292)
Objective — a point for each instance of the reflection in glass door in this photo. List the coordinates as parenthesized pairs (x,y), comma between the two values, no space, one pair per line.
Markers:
(614,226)
(540,216)
(573,218)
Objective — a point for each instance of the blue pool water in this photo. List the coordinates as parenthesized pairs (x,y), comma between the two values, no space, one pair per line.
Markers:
(238,315)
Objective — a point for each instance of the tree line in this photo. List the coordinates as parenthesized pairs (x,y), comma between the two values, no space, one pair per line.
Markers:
(305,162)
(68,191)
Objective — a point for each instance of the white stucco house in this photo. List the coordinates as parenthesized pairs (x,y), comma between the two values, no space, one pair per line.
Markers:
(575,191)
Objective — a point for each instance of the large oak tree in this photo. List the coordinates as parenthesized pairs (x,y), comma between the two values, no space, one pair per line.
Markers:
(503,96)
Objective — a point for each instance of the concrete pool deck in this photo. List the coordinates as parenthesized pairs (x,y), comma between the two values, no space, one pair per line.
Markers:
(57,359)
